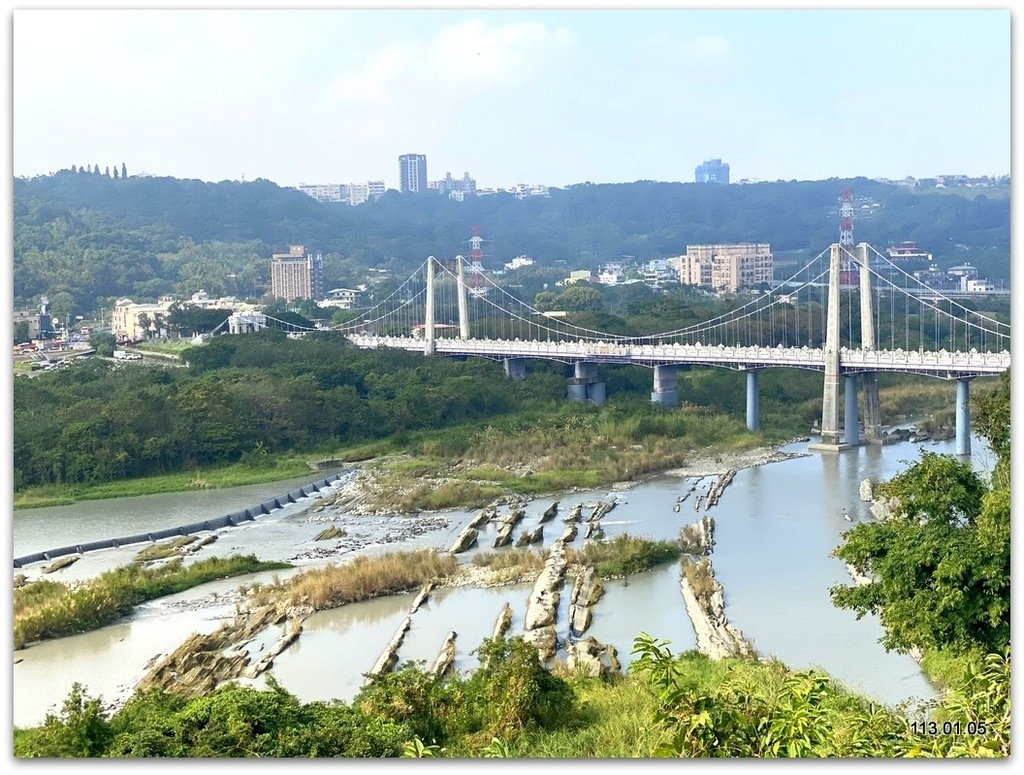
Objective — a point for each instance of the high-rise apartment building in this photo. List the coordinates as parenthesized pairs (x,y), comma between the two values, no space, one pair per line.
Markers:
(296,275)
(412,169)
(727,267)
(448,185)
(375,189)
(712,171)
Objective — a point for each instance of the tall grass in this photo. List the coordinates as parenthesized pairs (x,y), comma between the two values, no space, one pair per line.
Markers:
(366,577)
(614,722)
(624,555)
(48,609)
(511,563)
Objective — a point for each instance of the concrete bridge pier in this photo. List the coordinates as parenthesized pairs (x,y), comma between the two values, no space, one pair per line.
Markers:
(515,368)
(831,438)
(851,422)
(872,410)
(666,386)
(963,416)
(586,385)
(753,402)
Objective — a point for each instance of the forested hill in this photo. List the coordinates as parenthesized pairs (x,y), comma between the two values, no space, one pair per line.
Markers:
(92,236)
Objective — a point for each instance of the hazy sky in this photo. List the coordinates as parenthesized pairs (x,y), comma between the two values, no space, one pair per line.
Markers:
(514,95)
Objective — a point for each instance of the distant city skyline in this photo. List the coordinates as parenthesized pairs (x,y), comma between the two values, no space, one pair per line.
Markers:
(556,97)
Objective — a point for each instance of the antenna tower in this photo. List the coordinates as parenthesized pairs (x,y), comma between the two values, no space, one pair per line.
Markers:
(846,221)
(476,253)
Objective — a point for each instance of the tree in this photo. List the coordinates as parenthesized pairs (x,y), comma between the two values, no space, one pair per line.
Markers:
(581,298)
(115,172)
(107,171)
(940,566)
(103,343)
(546,301)
(124,171)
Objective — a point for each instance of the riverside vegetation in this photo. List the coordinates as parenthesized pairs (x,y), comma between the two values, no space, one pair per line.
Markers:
(257,408)
(49,609)
(753,709)
(665,705)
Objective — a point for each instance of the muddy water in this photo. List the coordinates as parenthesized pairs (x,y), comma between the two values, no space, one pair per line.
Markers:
(776,527)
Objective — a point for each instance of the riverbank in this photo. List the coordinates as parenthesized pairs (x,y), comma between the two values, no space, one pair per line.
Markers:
(405,484)
(650,603)
(214,478)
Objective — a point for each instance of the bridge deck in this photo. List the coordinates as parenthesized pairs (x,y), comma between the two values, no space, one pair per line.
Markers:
(943,364)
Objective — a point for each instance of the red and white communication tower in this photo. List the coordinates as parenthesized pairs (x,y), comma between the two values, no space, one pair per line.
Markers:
(847,267)
(846,221)
(476,252)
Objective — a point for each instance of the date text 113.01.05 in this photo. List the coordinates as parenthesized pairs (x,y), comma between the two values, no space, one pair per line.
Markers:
(948,727)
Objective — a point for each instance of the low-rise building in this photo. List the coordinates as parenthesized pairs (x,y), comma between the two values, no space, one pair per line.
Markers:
(979,286)
(133,322)
(518,262)
(908,251)
(611,274)
(579,276)
(341,298)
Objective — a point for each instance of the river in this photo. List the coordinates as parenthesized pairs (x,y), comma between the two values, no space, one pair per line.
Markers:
(776,525)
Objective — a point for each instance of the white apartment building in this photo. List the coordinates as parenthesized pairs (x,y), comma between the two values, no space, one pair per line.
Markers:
(324,192)
(342,298)
(344,193)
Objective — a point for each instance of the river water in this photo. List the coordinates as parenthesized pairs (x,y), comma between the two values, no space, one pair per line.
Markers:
(776,525)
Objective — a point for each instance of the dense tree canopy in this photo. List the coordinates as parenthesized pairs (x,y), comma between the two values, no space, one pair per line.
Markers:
(97,238)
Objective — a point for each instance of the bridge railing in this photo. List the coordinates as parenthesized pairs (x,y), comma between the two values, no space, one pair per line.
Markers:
(750,357)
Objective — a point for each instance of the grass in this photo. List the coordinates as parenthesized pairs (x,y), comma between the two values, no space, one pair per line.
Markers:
(287,466)
(616,717)
(574,448)
(49,609)
(330,532)
(698,574)
(511,564)
(367,577)
(946,669)
(614,722)
(624,555)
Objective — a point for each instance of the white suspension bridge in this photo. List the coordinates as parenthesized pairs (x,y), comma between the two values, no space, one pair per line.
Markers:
(900,326)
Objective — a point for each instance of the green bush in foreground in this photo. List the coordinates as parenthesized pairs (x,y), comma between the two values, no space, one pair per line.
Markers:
(512,706)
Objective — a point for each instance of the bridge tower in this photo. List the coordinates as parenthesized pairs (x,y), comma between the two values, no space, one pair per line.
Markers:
(845,259)
(429,343)
(831,438)
(872,405)
(463,314)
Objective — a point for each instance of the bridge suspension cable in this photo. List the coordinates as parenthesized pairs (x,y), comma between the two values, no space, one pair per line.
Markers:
(594,333)
(751,307)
